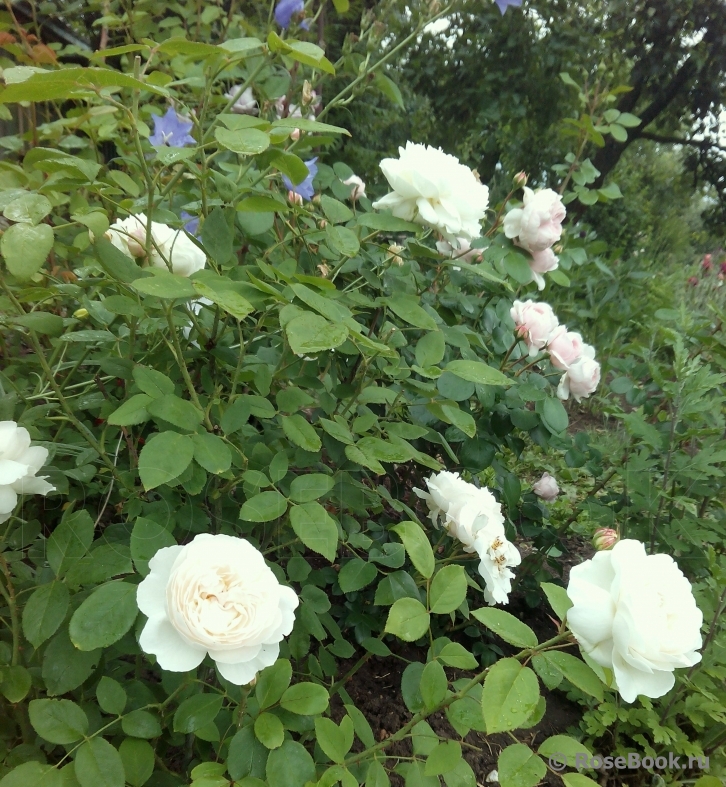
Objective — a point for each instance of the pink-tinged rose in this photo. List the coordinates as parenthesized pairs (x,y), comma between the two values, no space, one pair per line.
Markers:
(460,250)
(580,380)
(565,347)
(707,264)
(534,323)
(605,538)
(546,488)
(358,190)
(542,262)
(537,225)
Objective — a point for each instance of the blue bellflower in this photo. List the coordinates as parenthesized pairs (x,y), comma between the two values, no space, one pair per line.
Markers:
(305,189)
(191,223)
(172,129)
(504,4)
(285,9)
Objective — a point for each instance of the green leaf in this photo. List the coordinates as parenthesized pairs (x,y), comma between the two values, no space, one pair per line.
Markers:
(104,617)
(306,488)
(331,739)
(41,322)
(306,124)
(356,574)
(133,411)
(164,458)
(177,411)
(334,210)
(300,432)
(509,628)
(553,413)
(269,730)
(459,419)
(261,204)
(65,667)
(165,284)
(217,236)
(433,685)
(196,712)
(580,780)
(115,263)
(272,683)
(26,248)
(417,546)
(290,164)
(58,721)
(309,54)
(408,619)
(448,590)
(264,507)
(138,760)
(408,309)
(243,141)
(15,683)
(477,372)
(33,774)
(151,382)
(558,598)
(389,89)
(444,758)
(44,611)
(430,349)
(338,431)
(315,528)
(290,766)
(28,209)
(305,699)
(70,541)
(386,223)
(310,333)
(147,538)
(212,453)
(111,696)
(141,724)
(342,240)
(563,744)
(618,132)
(228,300)
(576,671)
(510,694)
(98,764)
(519,766)
(455,655)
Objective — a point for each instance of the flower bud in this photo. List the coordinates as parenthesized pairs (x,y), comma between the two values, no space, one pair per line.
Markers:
(605,538)
(520,179)
(307,93)
(295,134)
(707,264)
(394,251)
(324,270)
(322,224)
(296,199)
(80,314)
(693,281)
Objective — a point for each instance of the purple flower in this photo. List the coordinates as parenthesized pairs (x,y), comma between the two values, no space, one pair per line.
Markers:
(285,9)
(504,4)
(191,223)
(172,129)
(305,189)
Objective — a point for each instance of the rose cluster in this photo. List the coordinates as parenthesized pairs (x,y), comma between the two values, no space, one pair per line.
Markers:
(472,515)
(168,246)
(537,226)
(538,326)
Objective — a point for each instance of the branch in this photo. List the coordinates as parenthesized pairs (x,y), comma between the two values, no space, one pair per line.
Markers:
(704,144)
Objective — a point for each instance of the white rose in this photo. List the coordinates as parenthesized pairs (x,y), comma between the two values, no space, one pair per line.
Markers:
(177,247)
(359,187)
(472,515)
(433,188)
(534,322)
(581,378)
(19,463)
(635,614)
(538,223)
(129,236)
(542,262)
(245,104)
(215,595)
(459,250)
(565,347)
(546,488)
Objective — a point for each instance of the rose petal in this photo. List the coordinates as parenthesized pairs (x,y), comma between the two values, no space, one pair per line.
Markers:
(172,651)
